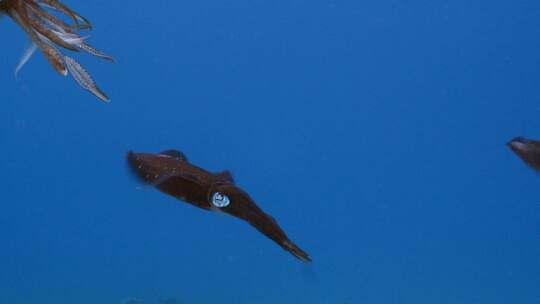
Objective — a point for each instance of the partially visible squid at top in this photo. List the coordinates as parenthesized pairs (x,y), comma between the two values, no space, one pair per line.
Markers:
(49,33)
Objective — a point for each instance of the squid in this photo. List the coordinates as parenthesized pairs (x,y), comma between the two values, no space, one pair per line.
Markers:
(528,150)
(50,33)
(171,173)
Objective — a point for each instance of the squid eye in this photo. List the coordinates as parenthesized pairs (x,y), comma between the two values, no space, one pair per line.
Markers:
(220,200)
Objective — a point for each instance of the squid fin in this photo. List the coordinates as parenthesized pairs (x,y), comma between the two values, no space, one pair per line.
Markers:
(174,154)
(226,176)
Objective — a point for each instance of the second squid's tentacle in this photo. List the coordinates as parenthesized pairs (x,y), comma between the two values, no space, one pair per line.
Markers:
(50,34)
(83,78)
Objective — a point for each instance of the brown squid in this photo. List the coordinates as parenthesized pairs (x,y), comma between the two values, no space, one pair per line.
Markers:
(171,173)
(49,33)
(528,150)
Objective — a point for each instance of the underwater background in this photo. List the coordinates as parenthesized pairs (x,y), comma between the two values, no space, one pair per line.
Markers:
(373,131)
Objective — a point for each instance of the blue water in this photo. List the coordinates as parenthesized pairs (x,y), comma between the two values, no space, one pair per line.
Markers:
(373,131)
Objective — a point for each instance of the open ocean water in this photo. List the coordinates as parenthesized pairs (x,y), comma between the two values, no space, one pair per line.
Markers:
(373,131)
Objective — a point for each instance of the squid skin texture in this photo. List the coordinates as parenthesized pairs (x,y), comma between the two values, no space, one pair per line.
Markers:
(171,173)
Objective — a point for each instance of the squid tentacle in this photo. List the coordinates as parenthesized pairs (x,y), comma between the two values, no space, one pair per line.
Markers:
(50,19)
(50,34)
(39,26)
(83,78)
(77,19)
(93,51)
(50,52)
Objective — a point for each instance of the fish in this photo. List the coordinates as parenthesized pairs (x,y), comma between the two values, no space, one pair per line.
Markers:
(170,172)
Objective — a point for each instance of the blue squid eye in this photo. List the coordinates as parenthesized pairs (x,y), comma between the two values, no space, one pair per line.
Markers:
(220,200)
